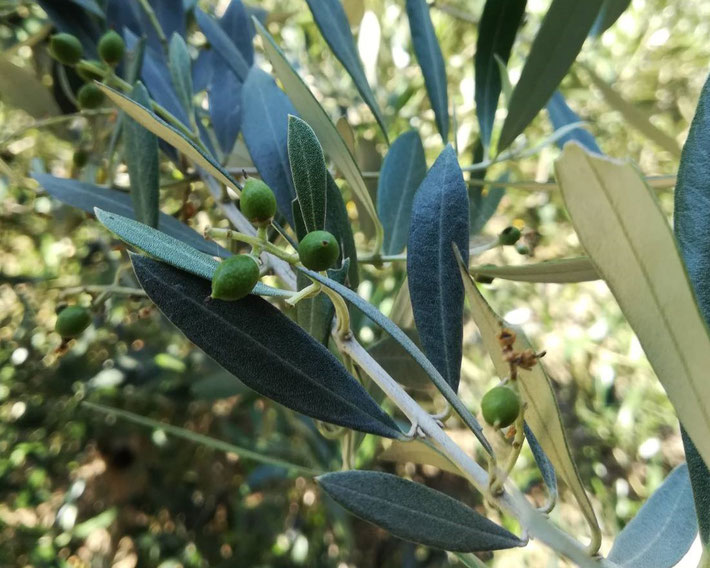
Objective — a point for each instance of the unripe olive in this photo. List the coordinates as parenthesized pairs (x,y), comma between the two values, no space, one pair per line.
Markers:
(257,201)
(235,277)
(80,158)
(522,249)
(72,321)
(86,71)
(318,250)
(89,96)
(509,236)
(500,406)
(65,48)
(111,47)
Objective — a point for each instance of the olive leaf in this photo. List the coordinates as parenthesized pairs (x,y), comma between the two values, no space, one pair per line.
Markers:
(556,45)
(559,271)
(609,13)
(269,353)
(332,21)
(172,251)
(439,218)
(180,66)
(415,512)
(308,171)
(88,197)
(547,470)
(402,171)
(315,315)
(663,530)
(142,160)
(561,115)
(222,44)
(428,52)
(496,33)
(542,413)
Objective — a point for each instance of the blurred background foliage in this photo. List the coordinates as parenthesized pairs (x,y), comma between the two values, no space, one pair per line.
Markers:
(78,488)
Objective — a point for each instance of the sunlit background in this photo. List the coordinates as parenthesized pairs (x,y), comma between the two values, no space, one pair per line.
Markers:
(80,489)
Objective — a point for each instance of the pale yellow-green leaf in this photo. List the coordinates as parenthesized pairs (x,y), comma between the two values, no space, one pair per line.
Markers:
(20,88)
(158,127)
(419,453)
(559,271)
(628,238)
(542,413)
(312,112)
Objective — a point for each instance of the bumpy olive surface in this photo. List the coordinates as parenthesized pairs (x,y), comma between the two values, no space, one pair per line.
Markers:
(65,48)
(500,406)
(257,201)
(90,96)
(509,236)
(72,321)
(235,277)
(111,47)
(318,250)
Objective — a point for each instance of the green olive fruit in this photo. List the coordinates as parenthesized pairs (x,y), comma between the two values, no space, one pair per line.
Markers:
(318,250)
(65,48)
(88,70)
(72,321)
(235,277)
(500,406)
(522,249)
(509,236)
(257,202)
(111,47)
(80,158)
(90,96)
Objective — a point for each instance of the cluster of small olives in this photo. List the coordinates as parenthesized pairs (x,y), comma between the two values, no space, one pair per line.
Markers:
(500,406)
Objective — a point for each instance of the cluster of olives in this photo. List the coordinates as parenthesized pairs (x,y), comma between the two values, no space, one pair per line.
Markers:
(500,406)
(236,276)
(67,49)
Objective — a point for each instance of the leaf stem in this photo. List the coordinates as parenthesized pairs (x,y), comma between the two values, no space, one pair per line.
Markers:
(102,288)
(255,241)
(148,9)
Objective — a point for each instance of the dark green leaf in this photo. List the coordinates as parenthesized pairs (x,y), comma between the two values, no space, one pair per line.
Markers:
(269,353)
(431,61)
(166,248)
(662,531)
(484,205)
(415,512)
(141,151)
(556,45)
(333,24)
(609,13)
(87,197)
(496,33)
(403,170)
(561,115)
(90,6)
(439,218)
(308,171)
(692,223)
(547,470)
(220,42)
(181,71)
(338,224)
(398,335)
(265,112)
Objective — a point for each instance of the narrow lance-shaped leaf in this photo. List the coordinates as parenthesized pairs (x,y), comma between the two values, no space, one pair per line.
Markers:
(398,335)
(332,21)
(556,45)
(692,211)
(559,271)
(308,171)
(275,357)
(482,206)
(431,61)
(415,512)
(236,23)
(610,11)
(439,218)
(403,170)
(609,202)
(163,130)
(663,530)
(221,43)
(496,33)
(181,71)
(311,111)
(225,97)
(87,197)
(141,151)
(265,113)
(561,115)
(172,251)
(542,414)
(547,470)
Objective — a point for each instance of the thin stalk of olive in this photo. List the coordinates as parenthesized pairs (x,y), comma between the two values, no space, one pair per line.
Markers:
(148,9)
(99,289)
(313,289)
(498,478)
(54,120)
(215,232)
